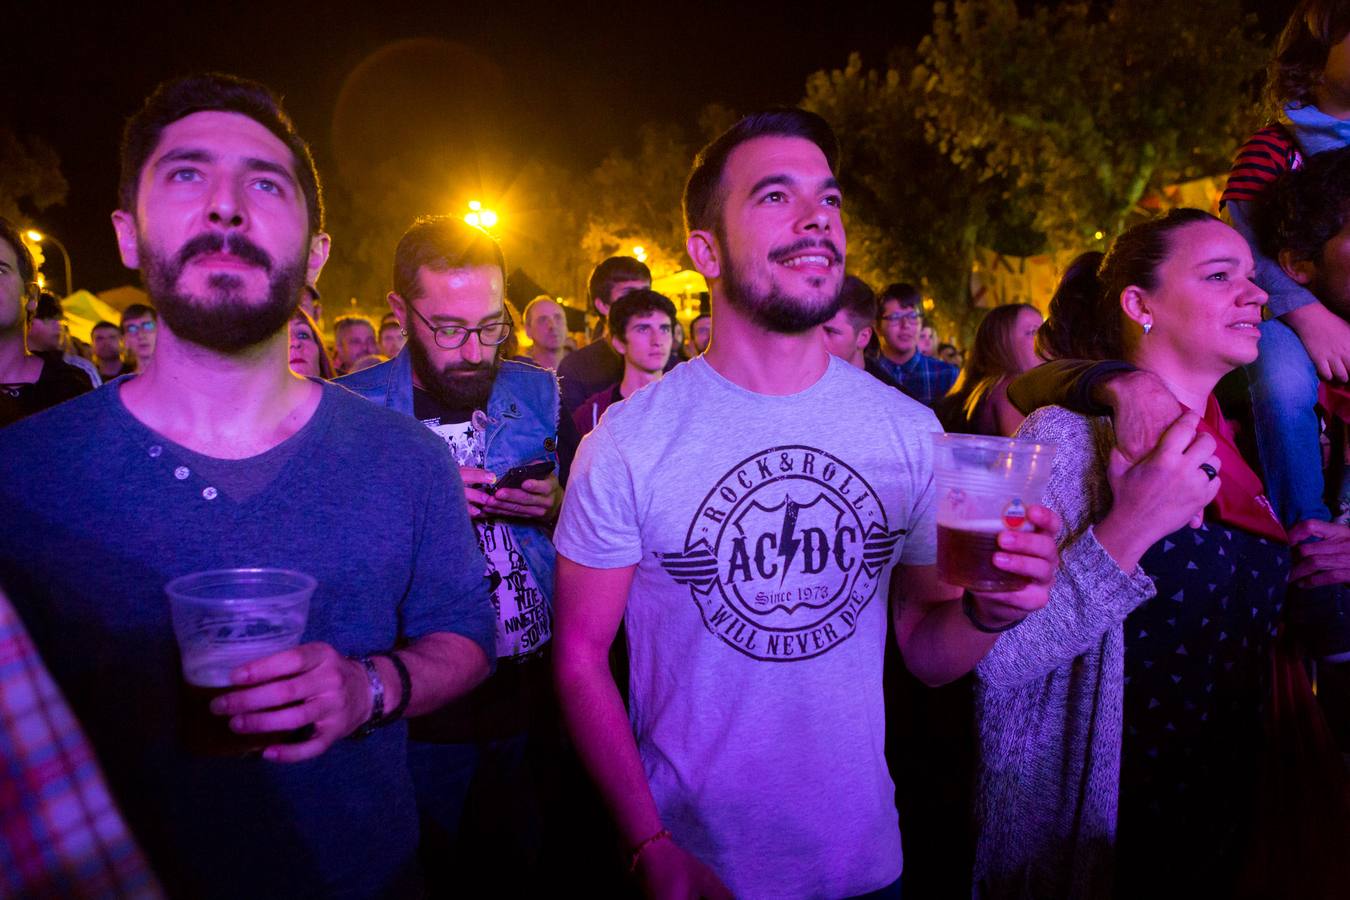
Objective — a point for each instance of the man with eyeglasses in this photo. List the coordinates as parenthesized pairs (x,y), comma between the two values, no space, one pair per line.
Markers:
(922,377)
(139,324)
(494,415)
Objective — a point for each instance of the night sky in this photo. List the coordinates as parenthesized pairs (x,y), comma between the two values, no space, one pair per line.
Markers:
(561,81)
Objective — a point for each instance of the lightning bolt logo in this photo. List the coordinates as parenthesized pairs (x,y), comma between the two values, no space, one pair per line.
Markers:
(787,540)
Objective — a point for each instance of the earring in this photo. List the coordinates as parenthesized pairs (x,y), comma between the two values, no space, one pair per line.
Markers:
(1148,326)
(403,332)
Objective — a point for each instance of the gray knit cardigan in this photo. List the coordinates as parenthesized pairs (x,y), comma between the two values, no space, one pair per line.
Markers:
(1049,697)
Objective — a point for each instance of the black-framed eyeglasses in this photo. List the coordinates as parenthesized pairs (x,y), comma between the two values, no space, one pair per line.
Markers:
(449,337)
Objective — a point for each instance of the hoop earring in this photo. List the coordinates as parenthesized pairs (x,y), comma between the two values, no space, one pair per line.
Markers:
(403,332)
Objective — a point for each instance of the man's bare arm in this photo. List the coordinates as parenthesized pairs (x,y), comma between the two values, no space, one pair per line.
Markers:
(588,608)
(926,612)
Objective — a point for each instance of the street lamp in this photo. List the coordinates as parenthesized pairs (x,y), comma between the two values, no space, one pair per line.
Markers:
(38,237)
(480,217)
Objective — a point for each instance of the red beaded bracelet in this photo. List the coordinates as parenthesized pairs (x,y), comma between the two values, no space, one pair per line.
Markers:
(662,835)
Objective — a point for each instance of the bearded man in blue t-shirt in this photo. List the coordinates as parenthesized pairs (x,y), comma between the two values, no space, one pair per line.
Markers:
(218,456)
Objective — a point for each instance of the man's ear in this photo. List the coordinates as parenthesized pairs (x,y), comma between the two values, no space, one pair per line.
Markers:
(1301,270)
(399,309)
(618,345)
(864,337)
(124,226)
(705,253)
(319,247)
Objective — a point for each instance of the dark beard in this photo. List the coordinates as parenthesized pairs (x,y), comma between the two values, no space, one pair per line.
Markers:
(774,311)
(455,391)
(224,321)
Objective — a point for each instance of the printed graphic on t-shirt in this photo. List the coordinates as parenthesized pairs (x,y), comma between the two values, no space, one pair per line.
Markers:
(523,623)
(784,553)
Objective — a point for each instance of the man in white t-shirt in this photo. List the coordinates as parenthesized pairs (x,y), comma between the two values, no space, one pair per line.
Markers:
(743,517)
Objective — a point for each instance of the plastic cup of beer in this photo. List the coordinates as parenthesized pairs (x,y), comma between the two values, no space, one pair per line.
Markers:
(223,619)
(984,486)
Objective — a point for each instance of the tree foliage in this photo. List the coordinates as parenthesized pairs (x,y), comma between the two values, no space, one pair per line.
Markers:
(635,200)
(1084,112)
(30,176)
(911,213)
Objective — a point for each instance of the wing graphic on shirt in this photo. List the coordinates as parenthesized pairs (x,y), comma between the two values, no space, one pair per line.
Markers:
(696,567)
(878,546)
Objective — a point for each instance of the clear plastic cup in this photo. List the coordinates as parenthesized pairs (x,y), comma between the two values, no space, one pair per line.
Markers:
(984,486)
(223,619)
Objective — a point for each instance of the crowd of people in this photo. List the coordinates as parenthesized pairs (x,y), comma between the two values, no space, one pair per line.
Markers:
(661,612)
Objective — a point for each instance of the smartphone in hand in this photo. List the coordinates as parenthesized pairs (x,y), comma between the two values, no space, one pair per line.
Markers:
(518,475)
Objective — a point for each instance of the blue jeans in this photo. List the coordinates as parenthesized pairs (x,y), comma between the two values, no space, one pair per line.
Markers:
(1284,386)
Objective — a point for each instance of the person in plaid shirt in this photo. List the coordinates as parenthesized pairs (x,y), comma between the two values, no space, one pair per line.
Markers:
(60,833)
(922,377)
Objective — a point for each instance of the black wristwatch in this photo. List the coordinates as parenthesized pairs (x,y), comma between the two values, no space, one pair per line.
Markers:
(378,717)
(376,698)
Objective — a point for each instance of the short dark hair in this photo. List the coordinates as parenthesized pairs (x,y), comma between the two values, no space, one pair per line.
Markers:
(615,270)
(634,304)
(1306,207)
(137,311)
(902,292)
(858,301)
(104,323)
(213,92)
(10,234)
(442,244)
(1085,314)
(389,325)
(703,195)
(48,306)
(1314,27)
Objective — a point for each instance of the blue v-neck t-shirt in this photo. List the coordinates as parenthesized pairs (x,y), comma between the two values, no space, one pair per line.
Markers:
(99,512)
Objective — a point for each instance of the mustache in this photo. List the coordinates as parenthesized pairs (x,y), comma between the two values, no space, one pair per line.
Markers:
(793,249)
(467,367)
(235,244)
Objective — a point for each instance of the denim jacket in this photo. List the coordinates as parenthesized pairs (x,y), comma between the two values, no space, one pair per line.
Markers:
(522,418)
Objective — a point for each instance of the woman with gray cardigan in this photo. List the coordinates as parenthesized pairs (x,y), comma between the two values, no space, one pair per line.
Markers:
(1119,726)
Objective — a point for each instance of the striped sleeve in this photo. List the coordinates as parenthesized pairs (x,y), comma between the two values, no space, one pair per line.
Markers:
(1266,156)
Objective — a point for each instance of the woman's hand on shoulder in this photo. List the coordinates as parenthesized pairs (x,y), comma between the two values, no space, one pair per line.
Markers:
(1160,493)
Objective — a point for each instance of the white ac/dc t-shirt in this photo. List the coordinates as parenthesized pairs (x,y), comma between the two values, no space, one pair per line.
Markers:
(763,530)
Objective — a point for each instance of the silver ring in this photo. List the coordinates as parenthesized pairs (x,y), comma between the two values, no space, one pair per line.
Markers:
(1209,470)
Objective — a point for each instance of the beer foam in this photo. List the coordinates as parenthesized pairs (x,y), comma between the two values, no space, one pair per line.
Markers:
(984,526)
